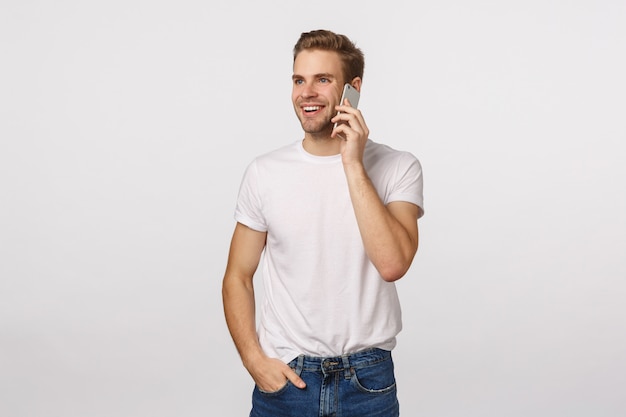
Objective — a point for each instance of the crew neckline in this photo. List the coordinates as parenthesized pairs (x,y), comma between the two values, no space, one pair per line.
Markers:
(316,158)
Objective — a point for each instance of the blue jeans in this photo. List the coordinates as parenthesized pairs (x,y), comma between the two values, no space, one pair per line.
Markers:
(356,385)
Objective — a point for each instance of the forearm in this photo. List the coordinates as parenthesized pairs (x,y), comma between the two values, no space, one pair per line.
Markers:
(239,310)
(389,245)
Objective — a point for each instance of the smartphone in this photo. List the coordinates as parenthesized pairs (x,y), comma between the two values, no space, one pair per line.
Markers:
(350,93)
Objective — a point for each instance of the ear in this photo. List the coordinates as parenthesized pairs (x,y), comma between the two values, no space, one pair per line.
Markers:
(356,83)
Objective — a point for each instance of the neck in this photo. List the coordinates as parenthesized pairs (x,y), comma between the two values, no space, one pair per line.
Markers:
(321,146)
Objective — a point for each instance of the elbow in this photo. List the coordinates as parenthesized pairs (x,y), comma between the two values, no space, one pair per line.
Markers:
(393,272)
(393,269)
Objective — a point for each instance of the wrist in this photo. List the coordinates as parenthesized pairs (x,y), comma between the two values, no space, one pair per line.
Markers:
(354,169)
(252,358)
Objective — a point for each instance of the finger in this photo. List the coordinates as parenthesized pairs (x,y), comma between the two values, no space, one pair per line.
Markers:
(362,124)
(358,123)
(346,108)
(349,128)
(355,119)
(345,118)
(339,131)
(295,379)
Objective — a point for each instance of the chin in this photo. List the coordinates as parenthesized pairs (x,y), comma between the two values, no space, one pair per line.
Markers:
(316,128)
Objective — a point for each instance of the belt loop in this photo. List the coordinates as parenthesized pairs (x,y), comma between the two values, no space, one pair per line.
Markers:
(346,366)
(299,365)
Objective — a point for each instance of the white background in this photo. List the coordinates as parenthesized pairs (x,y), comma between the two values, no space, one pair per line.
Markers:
(125,127)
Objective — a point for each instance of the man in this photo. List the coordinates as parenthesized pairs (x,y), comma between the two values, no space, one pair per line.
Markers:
(335,217)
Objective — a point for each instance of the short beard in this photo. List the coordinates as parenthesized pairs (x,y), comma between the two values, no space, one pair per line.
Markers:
(317,128)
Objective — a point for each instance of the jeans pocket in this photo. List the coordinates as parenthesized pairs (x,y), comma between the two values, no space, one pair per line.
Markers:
(295,368)
(375,379)
(274,393)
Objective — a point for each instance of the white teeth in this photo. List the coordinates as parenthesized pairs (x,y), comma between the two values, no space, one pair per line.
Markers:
(311,108)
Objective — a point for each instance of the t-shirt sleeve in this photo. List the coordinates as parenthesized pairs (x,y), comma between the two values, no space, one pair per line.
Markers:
(248,210)
(409,183)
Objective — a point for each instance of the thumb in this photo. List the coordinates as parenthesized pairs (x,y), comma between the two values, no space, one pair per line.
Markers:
(295,379)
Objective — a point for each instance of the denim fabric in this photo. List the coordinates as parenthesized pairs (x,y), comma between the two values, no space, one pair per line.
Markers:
(357,385)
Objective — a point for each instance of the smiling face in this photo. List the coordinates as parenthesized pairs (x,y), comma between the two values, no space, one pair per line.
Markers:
(317,84)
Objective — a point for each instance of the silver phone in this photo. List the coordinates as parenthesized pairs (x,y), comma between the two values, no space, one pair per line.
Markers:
(350,93)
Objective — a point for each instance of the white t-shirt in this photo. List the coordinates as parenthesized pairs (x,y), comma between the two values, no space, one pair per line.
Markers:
(323,296)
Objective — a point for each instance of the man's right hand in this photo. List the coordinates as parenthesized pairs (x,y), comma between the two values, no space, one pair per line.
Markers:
(270,375)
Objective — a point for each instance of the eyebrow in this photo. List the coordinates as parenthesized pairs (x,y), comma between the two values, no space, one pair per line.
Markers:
(317,76)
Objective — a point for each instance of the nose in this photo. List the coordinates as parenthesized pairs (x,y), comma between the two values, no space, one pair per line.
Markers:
(308,91)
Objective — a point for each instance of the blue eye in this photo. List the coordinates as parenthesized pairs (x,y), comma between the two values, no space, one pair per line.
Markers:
(324,80)
(298,82)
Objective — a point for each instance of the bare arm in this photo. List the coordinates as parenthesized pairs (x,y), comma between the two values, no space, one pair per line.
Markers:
(239,309)
(390,233)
